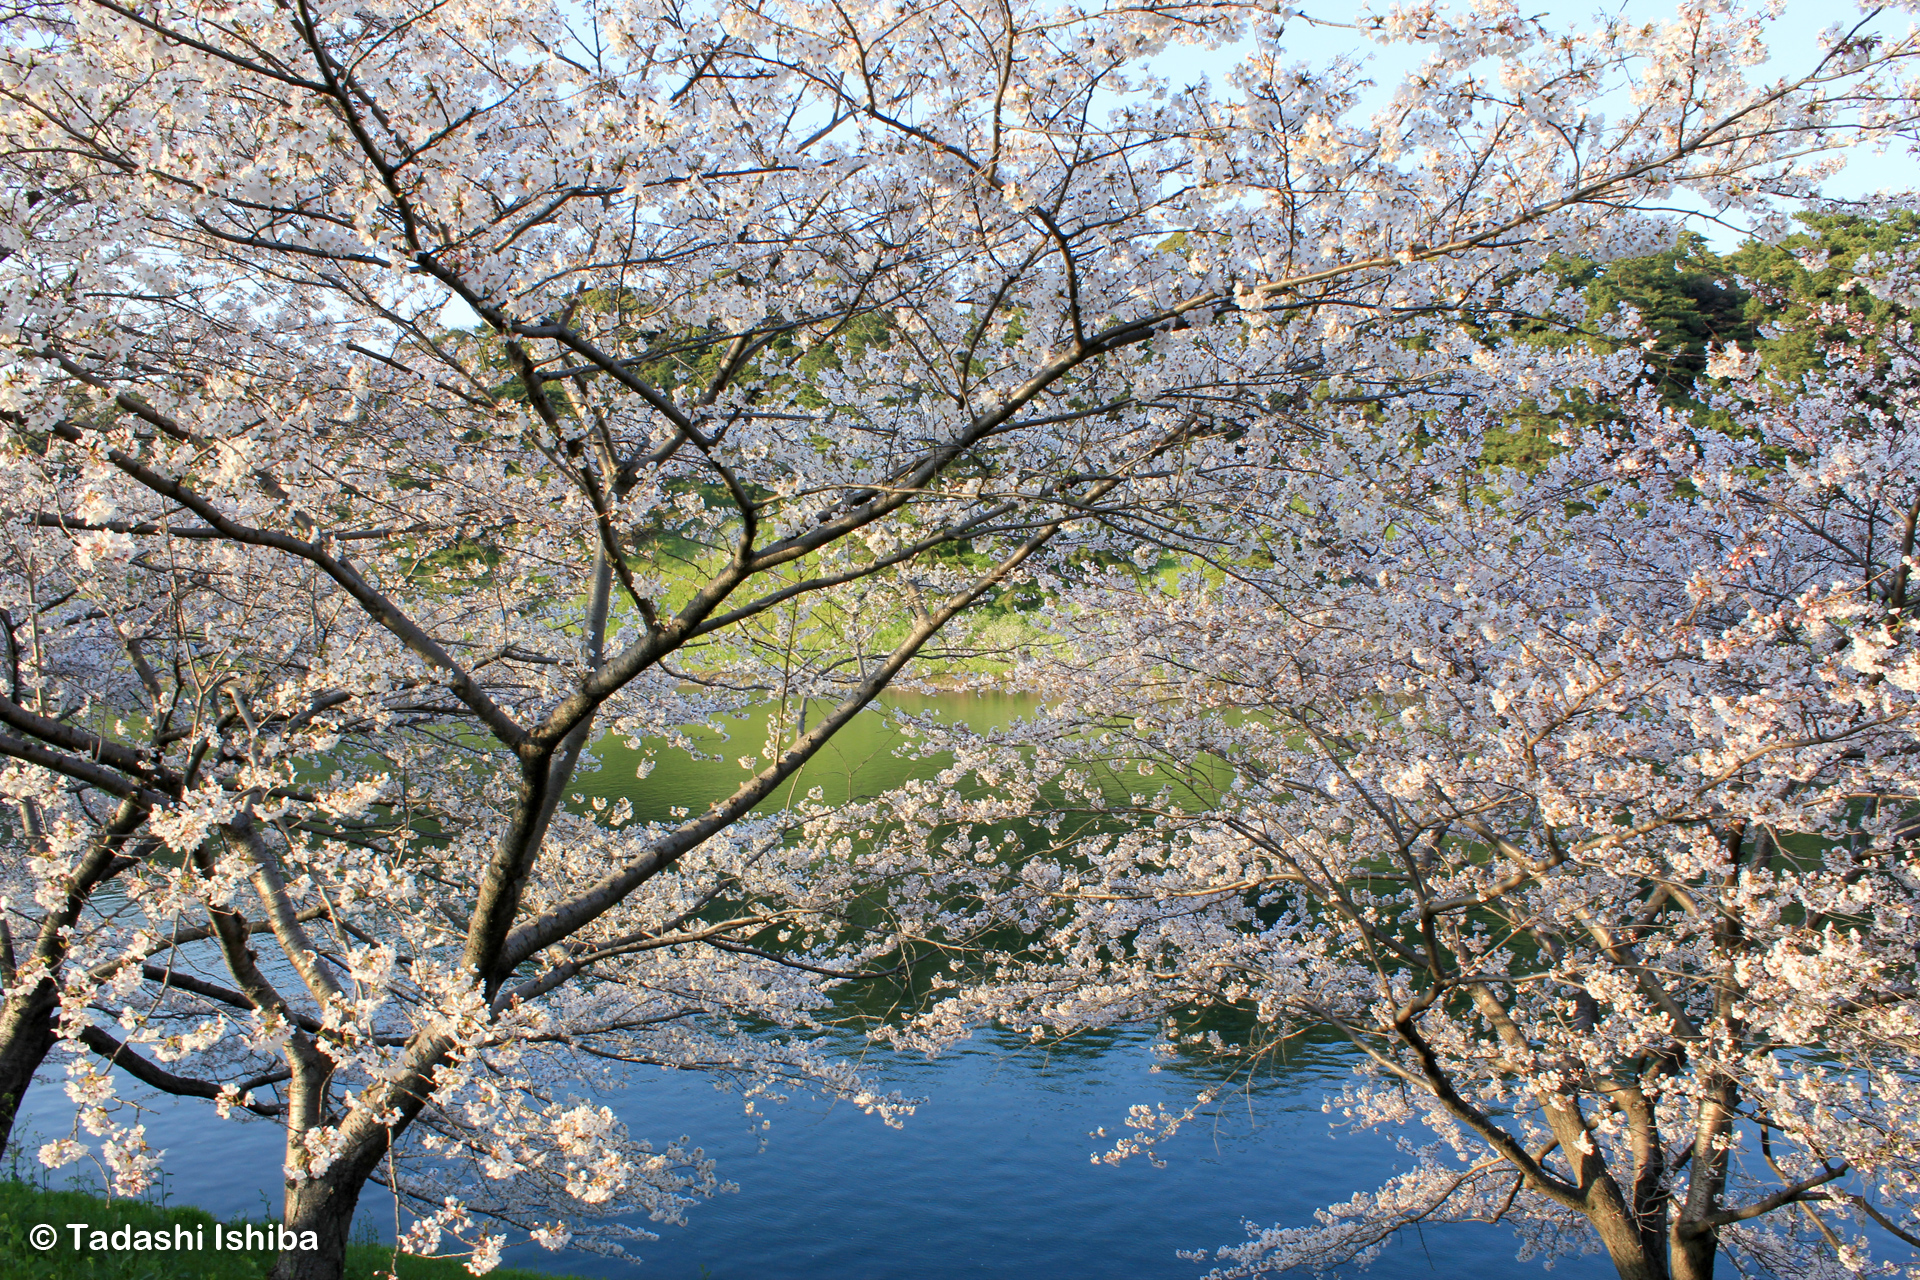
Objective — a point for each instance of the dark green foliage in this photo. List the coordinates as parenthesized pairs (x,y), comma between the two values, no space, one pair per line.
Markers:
(1784,290)
(1686,299)
(1689,299)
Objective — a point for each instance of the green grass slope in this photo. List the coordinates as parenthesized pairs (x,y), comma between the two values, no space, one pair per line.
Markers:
(24,1205)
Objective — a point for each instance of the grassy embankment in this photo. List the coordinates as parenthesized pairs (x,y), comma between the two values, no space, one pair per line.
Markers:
(24,1205)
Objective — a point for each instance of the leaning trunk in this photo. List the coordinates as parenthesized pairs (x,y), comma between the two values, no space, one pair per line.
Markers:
(26,1037)
(1693,1250)
(318,1211)
(319,1214)
(324,1205)
(1694,1241)
(1636,1254)
(26,1017)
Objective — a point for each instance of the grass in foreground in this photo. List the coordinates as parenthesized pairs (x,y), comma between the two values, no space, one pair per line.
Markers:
(24,1206)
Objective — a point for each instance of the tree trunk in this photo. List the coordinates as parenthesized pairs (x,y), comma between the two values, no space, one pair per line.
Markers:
(26,1036)
(1636,1254)
(1694,1249)
(26,1018)
(323,1206)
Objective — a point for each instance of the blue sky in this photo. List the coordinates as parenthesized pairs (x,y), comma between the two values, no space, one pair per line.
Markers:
(1794,39)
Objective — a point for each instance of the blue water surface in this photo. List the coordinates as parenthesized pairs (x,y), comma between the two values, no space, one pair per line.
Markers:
(993,1178)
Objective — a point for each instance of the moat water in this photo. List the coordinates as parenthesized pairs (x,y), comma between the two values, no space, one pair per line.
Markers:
(994,1177)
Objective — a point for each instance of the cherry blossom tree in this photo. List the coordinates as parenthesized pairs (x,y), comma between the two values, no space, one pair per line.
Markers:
(802,331)
(1582,804)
